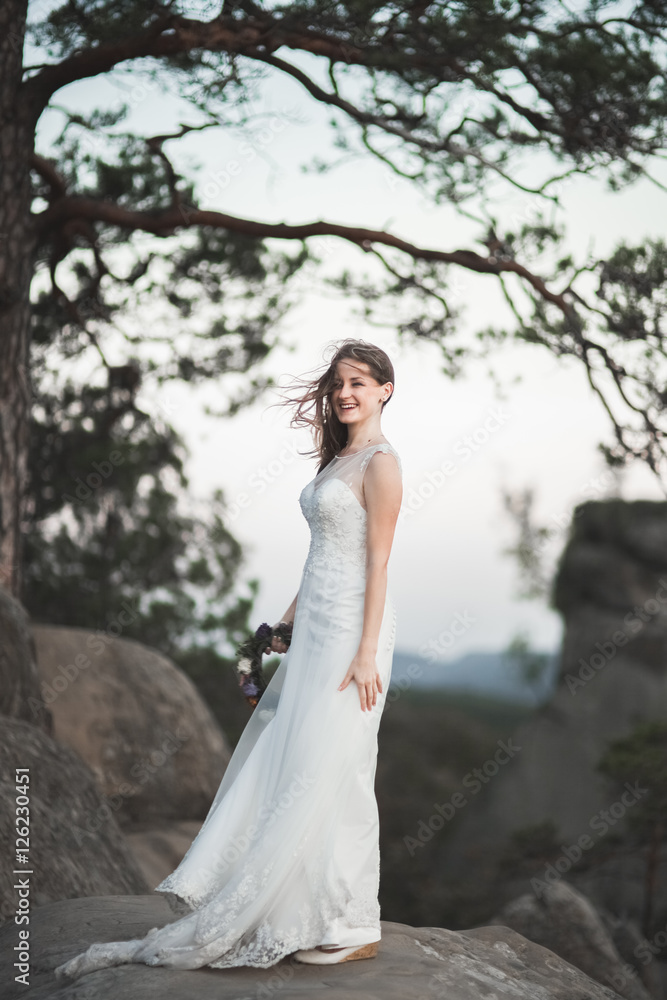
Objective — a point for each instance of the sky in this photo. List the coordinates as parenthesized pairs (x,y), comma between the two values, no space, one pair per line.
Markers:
(516,418)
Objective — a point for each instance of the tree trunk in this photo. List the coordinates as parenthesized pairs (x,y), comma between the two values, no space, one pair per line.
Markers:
(17,244)
(651,879)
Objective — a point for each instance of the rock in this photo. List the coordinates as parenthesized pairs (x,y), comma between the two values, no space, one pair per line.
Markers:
(19,679)
(413,963)
(636,953)
(565,922)
(611,588)
(76,847)
(136,719)
(160,850)
(607,684)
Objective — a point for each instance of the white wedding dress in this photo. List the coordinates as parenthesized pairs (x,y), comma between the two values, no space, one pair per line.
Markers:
(288,855)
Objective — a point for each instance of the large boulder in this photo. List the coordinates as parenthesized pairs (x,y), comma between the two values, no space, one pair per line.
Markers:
(159,850)
(413,963)
(136,719)
(75,845)
(19,679)
(564,921)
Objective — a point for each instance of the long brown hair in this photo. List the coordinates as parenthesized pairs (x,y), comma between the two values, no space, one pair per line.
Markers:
(329,434)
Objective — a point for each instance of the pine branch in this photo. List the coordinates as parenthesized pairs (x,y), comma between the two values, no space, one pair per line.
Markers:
(168,221)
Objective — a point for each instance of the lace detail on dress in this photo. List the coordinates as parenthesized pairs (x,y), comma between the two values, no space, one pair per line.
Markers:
(213,932)
(337,520)
(329,901)
(364,911)
(337,523)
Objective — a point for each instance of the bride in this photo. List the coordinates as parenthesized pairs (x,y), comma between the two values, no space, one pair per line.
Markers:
(287,860)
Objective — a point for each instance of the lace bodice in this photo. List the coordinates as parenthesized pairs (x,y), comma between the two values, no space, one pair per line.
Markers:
(333,504)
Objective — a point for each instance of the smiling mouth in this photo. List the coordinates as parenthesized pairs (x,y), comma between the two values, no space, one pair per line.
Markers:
(348,406)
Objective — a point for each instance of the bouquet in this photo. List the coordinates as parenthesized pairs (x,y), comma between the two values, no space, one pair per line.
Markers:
(249,658)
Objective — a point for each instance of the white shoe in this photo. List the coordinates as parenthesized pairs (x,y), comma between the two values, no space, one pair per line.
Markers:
(332,956)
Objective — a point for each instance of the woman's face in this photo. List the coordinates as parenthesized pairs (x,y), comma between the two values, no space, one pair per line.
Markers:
(356,394)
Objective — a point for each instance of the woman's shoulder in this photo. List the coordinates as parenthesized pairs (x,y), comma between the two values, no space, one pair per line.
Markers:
(386,448)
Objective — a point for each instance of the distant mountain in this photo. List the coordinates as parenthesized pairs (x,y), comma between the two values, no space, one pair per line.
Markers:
(487,673)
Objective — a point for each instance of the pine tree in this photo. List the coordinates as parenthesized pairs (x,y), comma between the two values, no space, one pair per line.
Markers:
(450,96)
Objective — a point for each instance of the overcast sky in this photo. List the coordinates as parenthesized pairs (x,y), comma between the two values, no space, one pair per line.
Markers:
(542,432)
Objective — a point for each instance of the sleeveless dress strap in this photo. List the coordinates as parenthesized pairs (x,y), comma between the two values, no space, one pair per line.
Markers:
(384,447)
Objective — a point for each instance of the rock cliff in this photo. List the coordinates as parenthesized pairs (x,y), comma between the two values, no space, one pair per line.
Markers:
(611,589)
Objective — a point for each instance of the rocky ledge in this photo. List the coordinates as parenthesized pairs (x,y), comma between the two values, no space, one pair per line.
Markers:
(414,963)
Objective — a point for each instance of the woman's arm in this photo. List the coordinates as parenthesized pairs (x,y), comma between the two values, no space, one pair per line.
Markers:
(291,611)
(383,492)
(277,645)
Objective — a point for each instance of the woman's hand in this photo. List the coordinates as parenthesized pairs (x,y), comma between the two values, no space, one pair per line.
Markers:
(363,670)
(277,645)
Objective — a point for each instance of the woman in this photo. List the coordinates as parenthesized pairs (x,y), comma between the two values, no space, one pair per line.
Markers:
(287,859)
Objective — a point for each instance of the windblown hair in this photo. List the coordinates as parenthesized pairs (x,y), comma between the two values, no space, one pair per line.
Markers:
(313,407)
